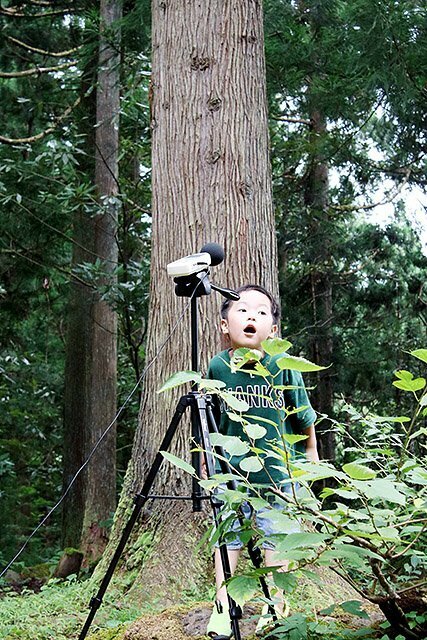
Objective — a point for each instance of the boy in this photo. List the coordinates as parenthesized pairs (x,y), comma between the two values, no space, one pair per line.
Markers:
(247,323)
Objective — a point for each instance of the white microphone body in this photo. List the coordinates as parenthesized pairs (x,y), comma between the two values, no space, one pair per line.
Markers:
(189,264)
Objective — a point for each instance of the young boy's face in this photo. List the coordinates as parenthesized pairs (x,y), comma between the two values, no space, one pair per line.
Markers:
(249,321)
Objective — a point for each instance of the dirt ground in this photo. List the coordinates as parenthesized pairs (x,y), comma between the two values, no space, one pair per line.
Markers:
(183,624)
(179,625)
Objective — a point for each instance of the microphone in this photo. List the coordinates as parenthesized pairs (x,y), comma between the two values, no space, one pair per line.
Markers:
(210,254)
(215,251)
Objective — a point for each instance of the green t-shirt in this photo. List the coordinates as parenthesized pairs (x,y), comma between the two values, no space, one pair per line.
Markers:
(268,403)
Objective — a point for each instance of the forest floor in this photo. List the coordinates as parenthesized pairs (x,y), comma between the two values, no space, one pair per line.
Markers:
(60,609)
(190,624)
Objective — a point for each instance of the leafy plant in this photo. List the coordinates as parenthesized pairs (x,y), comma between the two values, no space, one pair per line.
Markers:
(370,527)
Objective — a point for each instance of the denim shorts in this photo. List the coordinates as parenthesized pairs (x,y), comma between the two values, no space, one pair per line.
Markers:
(265,524)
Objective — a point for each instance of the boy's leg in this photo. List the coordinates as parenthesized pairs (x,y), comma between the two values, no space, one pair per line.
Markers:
(219,625)
(221,590)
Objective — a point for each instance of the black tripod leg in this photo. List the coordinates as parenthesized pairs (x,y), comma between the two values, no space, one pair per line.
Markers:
(234,609)
(140,499)
(254,552)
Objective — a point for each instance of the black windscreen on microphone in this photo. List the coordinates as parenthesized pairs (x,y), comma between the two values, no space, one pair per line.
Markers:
(215,251)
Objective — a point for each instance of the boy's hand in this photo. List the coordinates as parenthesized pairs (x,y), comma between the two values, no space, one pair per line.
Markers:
(203,469)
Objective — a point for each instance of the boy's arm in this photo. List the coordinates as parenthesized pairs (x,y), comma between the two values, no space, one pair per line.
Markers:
(311,444)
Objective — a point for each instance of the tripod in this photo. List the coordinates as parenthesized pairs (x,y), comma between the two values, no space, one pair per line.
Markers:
(203,423)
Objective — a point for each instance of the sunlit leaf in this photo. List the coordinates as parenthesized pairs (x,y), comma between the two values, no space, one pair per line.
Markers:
(251,464)
(255,431)
(295,363)
(358,471)
(181,377)
(205,383)
(232,444)
(293,438)
(391,419)
(415,384)
(304,539)
(242,589)
(421,354)
(402,374)
(235,403)
(181,464)
(287,581)
(275,346)
(382,489)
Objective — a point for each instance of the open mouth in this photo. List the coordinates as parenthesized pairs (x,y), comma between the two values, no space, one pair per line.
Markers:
(249,329)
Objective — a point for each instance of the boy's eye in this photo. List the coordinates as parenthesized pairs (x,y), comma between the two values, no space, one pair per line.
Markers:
(241,309)
(263,313)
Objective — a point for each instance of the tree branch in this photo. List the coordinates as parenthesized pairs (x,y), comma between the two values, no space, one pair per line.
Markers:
(44,133)
(294,120)
(53,54)
(14,13)
(366,207)
(36,71)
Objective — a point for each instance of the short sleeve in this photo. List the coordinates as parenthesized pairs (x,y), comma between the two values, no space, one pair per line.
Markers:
(298,397)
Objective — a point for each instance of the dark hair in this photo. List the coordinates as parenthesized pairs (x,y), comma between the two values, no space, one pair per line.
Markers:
(275,309)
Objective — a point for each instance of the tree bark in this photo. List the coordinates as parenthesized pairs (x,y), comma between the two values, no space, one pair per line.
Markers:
(316,201)
(211,182)
(92,376)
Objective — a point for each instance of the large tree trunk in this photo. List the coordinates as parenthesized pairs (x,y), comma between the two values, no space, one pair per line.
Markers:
(91,370)
(211,182)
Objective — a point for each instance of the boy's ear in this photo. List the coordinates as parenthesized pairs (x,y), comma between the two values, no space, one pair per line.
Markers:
(274,331)
(224,326)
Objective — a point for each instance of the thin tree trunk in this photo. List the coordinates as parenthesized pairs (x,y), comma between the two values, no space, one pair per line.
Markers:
(91,385)
(316,201)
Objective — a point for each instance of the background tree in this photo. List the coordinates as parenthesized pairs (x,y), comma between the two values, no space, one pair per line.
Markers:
(336,138)
(91,365)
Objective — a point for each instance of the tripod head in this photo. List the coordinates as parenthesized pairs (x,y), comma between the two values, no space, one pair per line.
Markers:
(192,280)
(192,273)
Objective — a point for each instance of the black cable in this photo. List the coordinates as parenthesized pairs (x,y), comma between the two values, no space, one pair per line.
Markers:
(91,454)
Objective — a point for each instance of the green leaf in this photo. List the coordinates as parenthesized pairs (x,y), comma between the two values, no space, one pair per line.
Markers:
(255,431)
(275,346)
(242,589)
(205,383)
(260,370)
(293,438)
(347,494)
(410,385)
(389,533)
(287,581)
(354,607)
(402,374)
(350,552)
(391,419)
(302,540)
(235,403)
(181,464)
(295,363)
(358,471)
(381,488)
(181,377)
(251,464)
(232,444)
(242,356)
(421,354)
